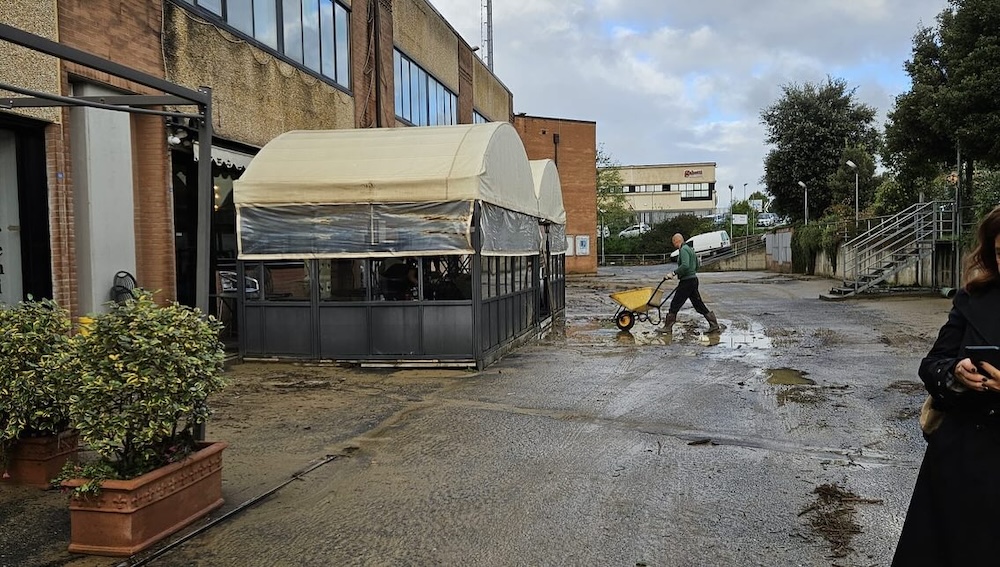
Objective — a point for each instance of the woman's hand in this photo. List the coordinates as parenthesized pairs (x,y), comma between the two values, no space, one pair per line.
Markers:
(968,374)
(992,374)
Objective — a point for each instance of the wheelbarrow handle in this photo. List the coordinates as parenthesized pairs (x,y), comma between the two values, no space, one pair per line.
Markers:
(658,285)
(667,297)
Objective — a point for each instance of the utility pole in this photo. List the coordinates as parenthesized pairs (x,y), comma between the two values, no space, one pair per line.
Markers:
(730,212)
(958,216)
(486,31)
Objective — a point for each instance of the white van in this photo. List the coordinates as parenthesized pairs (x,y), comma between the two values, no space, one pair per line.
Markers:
(707,244)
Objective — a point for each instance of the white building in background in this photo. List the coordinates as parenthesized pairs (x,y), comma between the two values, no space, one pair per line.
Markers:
(659,192)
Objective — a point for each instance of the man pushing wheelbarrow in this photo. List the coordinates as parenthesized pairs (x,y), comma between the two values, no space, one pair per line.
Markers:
(687,288)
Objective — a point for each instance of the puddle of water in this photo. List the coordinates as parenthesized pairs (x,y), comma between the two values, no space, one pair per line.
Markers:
(788,377)
(653,338)
(738,338)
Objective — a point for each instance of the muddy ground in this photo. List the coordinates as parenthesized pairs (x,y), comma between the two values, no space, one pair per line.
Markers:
(790,439)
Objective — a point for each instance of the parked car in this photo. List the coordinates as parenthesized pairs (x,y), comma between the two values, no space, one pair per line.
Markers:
(767,219)
(708,244)
(717,218)
(634,230)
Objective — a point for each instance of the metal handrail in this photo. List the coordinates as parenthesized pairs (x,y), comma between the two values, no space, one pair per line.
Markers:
(895,243)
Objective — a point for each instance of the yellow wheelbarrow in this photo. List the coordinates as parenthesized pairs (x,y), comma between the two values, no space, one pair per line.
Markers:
(640,304)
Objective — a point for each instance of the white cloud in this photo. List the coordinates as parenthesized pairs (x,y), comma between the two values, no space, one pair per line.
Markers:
(676,81)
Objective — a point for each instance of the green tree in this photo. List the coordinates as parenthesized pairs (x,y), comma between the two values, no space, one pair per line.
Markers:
(809,129)
(841,182)
(952,105)
(613,209)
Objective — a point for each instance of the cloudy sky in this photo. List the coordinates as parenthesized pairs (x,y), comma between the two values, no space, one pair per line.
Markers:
(671,81)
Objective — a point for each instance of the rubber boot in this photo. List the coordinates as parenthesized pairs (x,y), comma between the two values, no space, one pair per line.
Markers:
(668,324)
(713,323)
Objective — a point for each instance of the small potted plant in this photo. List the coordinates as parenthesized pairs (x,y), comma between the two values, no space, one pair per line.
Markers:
(35,437)
(145,374)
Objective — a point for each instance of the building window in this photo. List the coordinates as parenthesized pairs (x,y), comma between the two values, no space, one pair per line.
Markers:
(645,188)
(420,99)
(478,118)
(313,33)
(693,191)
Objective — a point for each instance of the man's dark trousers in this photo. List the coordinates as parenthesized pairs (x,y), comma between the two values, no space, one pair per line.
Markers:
(688,289)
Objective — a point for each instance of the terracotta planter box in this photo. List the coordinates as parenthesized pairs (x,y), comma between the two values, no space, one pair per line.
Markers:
(34,461)
(131,515)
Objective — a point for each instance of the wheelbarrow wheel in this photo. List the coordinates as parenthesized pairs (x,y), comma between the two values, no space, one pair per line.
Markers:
(625,320)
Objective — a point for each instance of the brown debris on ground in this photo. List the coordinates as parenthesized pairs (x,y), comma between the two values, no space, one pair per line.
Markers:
(832,516)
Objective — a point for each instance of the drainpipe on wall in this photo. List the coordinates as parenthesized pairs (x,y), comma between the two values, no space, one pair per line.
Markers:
(377,24)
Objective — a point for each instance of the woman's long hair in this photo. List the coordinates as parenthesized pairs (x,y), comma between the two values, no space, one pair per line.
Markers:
(981,264)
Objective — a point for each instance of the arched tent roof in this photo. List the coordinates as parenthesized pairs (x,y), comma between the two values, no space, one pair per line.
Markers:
(467,162)
(548,190)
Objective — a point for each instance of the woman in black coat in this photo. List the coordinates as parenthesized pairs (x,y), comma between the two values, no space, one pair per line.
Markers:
(955,508)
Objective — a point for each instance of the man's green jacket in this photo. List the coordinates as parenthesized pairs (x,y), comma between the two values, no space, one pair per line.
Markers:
(687,263)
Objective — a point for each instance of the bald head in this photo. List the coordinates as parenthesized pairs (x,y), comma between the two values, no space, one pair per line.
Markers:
(678,239)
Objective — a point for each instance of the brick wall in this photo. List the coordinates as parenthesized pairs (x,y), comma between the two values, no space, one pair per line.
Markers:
(61,226)
(134,43)
(126,32)
(575,155)
(154,221)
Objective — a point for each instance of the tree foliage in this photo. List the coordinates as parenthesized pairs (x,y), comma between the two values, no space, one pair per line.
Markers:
(613,209)
(658,239)
(953,103)
(813,129)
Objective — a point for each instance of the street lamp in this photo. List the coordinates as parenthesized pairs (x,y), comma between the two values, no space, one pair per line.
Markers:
(806,202)
(750,222)
(854,166)
(730,211)
(601,230)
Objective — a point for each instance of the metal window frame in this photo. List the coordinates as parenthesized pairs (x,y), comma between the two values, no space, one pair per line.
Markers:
(174,94)
(279,49)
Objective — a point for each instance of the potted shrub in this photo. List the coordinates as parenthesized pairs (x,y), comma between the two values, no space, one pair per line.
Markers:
(145,374)
(35,438)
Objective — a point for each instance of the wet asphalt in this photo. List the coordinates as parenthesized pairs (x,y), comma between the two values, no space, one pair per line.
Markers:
(590,446)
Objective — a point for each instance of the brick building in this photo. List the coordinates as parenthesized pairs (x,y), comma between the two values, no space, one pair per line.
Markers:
(89,191)
(572,145)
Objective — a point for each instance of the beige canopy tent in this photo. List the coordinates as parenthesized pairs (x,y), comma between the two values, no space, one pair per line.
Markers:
(388,191)
(548,191)
(321,214)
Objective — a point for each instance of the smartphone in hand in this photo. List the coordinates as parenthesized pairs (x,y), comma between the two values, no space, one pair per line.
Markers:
(984,353)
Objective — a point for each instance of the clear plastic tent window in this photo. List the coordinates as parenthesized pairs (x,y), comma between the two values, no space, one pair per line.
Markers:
(326,231)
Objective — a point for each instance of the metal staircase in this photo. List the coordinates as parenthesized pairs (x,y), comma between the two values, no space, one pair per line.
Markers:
(896,243)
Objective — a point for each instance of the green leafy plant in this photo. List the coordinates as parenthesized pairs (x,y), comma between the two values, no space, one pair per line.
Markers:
(832,236)
(34,335)
(806,243)
(145,374)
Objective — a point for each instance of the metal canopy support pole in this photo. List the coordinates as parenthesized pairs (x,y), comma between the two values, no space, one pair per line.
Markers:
(180,96)
(45,100)
(477,286)
(49,47)
(206,197)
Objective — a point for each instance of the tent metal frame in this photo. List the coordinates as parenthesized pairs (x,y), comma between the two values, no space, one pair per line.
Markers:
(174,94)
